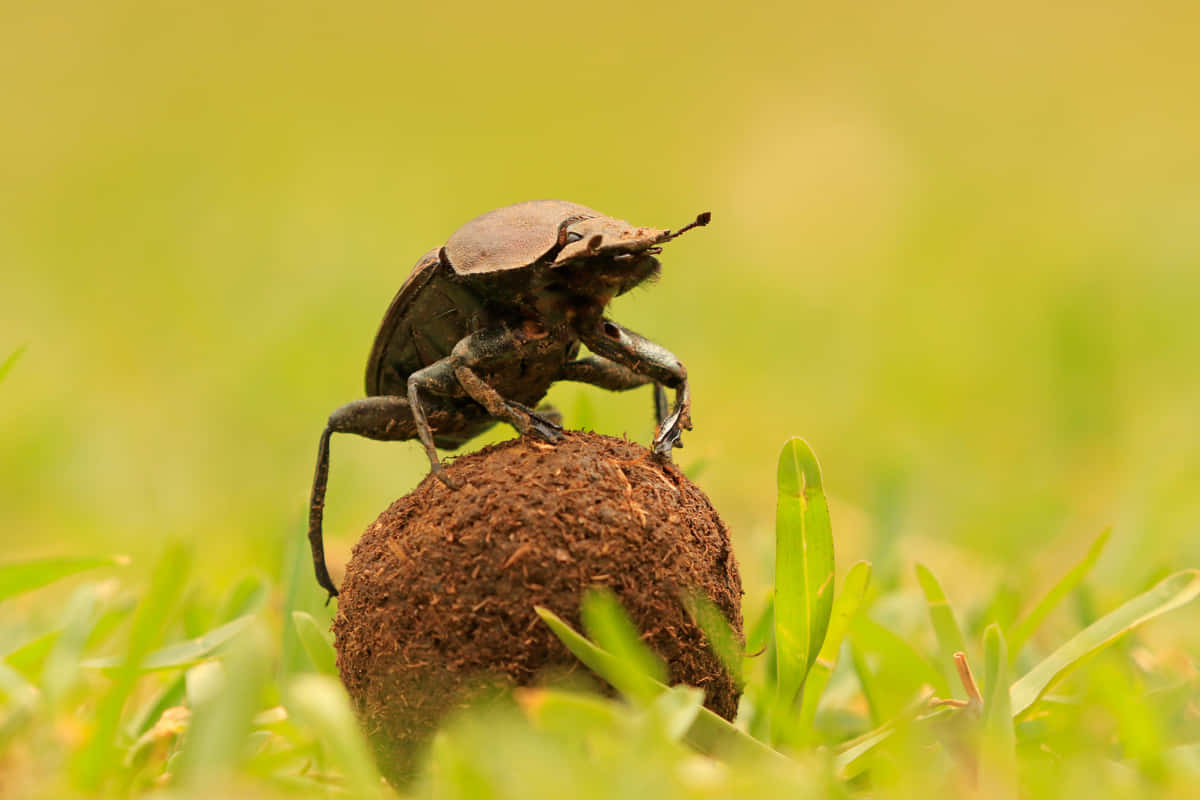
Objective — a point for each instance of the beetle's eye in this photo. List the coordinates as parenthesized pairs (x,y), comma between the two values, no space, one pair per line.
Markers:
(573,237)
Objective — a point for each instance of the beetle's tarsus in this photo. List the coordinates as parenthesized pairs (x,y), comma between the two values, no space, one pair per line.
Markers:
(439,472)
(670,432)
(543,427)
(550,414)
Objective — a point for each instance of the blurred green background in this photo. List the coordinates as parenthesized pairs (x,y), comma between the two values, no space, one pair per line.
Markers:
(956,246)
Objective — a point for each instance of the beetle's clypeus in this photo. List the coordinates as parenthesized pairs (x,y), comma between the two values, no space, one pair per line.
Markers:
(484,325)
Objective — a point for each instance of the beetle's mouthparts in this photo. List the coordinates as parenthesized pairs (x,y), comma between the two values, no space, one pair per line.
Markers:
(701,220)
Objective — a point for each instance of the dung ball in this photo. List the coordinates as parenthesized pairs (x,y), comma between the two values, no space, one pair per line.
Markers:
(439,594)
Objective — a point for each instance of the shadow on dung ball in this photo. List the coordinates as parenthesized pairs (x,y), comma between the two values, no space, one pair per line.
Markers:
(439,594)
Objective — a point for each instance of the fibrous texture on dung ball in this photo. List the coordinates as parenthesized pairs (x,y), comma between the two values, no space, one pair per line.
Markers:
(439,594)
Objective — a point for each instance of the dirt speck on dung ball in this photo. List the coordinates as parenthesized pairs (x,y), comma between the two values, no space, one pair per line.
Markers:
(440,590)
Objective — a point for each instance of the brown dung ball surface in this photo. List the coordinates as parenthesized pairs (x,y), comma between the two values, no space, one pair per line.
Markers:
(440,590)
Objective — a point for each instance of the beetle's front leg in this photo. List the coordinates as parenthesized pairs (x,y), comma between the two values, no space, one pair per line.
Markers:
(492,347)
(644,357)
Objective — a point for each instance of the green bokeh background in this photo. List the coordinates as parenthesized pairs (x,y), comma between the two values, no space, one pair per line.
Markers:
(956,246)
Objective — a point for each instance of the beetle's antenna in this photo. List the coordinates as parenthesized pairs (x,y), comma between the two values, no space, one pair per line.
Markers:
(701,220)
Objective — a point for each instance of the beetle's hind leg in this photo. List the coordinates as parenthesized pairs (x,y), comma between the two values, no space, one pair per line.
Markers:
(608,374)
(316,512)
(385,418)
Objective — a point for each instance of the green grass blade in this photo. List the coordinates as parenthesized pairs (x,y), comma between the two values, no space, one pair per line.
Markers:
(676,709)
(847,763)
(606,622)
(866,681)
(760,646)
(998,756)
(170,695)
(181,654)
(223,705)
(1020,633)
(11,361)
(316,643)
(20,702)
(709,732)
(319,703)
(61,670)
(564,713)
(902,669)
(637,686)
(27,657)
(716,629)
(945,626)
(845,608)
(803,566)
(997,707)
(299,592)
(98,758)
(24,576)
(850,757)
(246,597)
(758,634)
(1171,593)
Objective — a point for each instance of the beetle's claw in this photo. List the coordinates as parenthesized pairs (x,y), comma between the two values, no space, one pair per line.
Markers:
(546,429)
(664,446)
(670,434)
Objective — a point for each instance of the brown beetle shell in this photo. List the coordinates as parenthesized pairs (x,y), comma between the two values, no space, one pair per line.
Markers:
(511,237)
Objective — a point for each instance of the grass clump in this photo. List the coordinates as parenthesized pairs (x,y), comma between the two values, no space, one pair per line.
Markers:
(123,692)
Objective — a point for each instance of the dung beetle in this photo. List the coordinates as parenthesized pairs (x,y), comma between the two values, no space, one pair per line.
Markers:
(484,325)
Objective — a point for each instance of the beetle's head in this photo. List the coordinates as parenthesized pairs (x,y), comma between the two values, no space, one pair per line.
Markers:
(605,257)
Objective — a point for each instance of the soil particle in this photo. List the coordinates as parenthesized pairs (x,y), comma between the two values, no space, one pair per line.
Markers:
(439,593)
